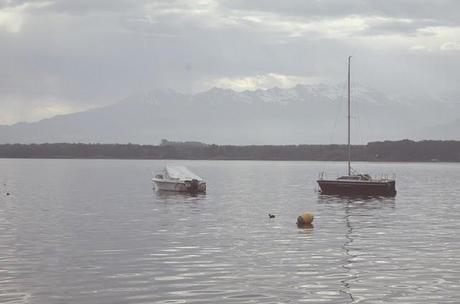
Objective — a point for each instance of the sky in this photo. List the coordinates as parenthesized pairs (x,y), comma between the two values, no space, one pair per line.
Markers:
(62,56)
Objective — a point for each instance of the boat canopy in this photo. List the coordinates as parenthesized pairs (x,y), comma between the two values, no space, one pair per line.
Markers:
(181,173)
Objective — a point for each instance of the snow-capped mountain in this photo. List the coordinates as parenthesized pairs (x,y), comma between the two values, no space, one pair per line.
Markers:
(302,114)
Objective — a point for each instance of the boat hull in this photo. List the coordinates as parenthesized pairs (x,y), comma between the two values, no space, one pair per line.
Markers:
(358,188)
(178,186)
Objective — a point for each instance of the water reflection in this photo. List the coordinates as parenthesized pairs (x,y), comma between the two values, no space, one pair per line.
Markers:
(358,202)
(354,209)
(305,226)
(177,196)
(67,238)
(348,253)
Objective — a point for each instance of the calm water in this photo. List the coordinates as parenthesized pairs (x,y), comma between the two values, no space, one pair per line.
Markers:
(93,231)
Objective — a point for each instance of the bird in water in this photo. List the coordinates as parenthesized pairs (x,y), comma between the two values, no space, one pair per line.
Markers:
(271,215)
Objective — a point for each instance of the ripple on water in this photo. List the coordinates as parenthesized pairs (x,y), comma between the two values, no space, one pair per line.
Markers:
(78,233)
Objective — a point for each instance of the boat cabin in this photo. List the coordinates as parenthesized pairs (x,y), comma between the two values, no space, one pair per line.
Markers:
(356,177)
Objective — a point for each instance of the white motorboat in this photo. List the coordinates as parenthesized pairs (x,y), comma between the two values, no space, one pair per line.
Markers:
(179,179)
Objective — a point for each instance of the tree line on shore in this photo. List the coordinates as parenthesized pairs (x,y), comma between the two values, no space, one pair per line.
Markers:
(404,151)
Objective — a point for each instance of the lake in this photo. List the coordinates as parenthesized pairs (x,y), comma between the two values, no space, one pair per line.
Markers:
(94,231)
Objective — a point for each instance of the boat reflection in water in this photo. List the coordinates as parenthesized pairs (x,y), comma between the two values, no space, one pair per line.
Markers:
(172,197)
(355,207)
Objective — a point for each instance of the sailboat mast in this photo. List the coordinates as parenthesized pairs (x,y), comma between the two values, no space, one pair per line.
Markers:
(349,147)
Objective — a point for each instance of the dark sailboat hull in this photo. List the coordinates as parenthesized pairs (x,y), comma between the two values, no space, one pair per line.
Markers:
(358,188)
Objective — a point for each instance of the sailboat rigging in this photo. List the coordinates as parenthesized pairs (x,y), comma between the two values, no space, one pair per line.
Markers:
(356,184)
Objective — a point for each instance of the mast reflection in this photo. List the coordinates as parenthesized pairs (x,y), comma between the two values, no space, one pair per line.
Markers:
(353,207)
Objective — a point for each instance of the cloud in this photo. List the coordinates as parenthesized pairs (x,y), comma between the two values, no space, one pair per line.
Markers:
(89,53)
(10,21)
(19,109)
(420,48)
(441,12)
(12,17)
(393,26)
(265,81)
(451,46)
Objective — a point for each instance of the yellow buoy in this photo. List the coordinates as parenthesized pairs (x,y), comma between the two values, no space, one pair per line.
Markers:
(305,218)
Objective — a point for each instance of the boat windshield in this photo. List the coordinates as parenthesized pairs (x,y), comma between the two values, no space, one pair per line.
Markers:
(179,173)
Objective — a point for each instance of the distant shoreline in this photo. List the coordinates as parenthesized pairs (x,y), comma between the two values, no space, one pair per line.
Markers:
(230,160)
(386,151)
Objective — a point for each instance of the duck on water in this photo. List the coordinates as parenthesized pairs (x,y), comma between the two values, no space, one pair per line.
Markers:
(354,183)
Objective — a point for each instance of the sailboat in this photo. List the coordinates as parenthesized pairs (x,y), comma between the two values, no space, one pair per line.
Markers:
(353,183)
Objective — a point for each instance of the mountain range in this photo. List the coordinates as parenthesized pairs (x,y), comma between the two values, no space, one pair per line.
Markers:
(311,114)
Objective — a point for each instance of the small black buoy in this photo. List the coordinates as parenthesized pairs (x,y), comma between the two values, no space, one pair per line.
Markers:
(271,215)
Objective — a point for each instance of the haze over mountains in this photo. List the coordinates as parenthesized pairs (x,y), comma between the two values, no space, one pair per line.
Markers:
(305,114)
